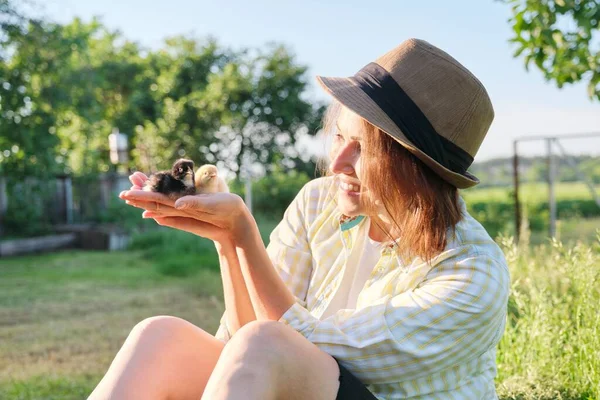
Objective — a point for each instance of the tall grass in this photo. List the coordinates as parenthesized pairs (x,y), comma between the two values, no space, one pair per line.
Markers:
(551,346)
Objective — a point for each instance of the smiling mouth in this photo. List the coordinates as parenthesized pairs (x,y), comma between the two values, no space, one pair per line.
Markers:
(349,187)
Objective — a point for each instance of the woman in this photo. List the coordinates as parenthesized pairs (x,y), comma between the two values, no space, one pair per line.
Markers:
(377,283)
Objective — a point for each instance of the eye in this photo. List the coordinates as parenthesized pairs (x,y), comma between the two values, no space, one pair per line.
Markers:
(180,170)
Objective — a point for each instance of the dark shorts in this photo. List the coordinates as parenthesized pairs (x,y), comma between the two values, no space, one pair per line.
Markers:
(351,388)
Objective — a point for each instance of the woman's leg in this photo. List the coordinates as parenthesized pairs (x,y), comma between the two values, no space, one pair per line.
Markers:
(268,360)
(162,358)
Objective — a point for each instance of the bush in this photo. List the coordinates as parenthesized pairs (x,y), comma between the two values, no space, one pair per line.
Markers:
(272,194)
(176,253)
(127,217)
(28,203)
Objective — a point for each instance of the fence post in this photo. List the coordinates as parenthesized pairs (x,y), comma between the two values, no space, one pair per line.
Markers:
(3,202)
(68,187)
(516,181)
(551,197)
(106,189)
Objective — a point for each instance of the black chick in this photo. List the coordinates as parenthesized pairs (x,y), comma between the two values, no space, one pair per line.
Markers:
(177,182)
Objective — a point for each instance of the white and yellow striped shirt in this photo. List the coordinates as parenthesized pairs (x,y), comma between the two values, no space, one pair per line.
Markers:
(419,331)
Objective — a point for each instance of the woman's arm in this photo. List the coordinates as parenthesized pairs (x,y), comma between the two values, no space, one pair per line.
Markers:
(224,218)
(238,307)
(269,295)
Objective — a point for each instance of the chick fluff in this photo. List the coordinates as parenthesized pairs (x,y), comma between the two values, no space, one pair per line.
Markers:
(177,182)
(208,181)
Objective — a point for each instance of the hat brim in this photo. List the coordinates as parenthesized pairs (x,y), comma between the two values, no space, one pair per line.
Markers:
(351,96)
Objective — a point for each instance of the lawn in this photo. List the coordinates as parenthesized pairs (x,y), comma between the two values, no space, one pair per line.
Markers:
(63,316)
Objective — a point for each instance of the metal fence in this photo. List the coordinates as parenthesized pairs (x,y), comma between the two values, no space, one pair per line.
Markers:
(551,142)
(31,204)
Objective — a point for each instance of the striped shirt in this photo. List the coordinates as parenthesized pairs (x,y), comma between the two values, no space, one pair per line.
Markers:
(419,330)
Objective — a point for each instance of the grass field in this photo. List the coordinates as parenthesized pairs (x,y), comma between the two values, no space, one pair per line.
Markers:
(63,316)
(531,192)
(578,214)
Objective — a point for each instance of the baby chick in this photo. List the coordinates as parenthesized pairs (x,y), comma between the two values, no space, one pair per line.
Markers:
(177,182)
(207,180)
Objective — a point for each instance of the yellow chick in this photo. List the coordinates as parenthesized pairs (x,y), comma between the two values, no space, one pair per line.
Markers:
(207,180)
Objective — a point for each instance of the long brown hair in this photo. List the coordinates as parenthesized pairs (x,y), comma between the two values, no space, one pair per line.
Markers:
(422,206)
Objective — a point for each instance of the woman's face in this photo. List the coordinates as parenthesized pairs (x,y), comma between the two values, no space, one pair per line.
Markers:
(345,163)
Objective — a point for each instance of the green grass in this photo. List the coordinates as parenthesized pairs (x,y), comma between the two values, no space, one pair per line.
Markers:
(551,346)
(576,210)
(64,316)
(531,192)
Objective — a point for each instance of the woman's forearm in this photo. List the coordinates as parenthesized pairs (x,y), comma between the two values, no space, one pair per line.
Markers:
(239,310)
(269,295)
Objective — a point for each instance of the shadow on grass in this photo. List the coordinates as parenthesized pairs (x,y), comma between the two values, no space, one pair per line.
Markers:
(44,387)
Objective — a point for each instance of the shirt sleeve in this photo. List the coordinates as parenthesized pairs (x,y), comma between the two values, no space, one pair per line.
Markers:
(455,315)
(223,333)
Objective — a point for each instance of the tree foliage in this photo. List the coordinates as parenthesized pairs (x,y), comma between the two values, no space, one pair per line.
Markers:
(64,88)
(559,37)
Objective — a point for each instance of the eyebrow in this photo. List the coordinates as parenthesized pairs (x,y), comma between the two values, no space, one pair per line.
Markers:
(351,137)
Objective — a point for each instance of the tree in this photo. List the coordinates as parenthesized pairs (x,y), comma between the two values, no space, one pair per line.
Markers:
(560,37)
(262,111)
(228,108)
(64,88)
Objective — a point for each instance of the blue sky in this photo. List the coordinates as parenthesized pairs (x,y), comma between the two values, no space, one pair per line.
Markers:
(337,38)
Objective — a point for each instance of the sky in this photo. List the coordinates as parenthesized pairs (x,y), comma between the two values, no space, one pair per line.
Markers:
(337,38)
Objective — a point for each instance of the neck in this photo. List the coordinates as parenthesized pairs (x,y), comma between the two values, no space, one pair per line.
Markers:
(379,230)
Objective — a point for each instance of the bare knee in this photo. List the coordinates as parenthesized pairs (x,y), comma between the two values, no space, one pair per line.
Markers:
(162,332)
(262,337)
(158,325)
(258,345)
(274,354)
(252,357)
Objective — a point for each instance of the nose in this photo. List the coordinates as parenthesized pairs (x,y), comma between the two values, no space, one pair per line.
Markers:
(344,161)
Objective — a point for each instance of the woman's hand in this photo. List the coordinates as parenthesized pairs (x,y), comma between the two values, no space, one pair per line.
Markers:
(217,216)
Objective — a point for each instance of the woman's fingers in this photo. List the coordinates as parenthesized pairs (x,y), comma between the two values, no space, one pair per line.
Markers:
(189,202)
(153,206)
(141,175)
(221,202)
(138,179)
(145,196)
(163,211)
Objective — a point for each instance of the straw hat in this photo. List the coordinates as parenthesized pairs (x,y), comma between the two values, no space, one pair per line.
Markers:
(427,101)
